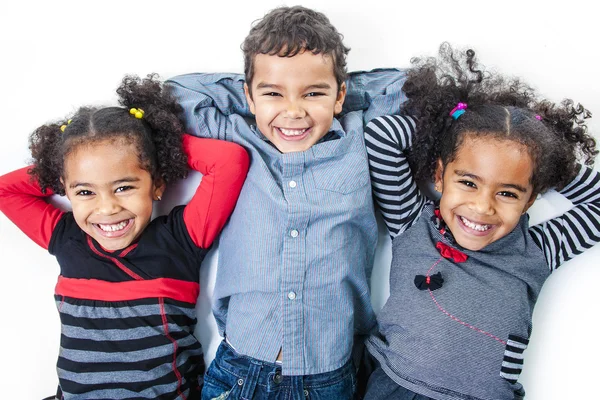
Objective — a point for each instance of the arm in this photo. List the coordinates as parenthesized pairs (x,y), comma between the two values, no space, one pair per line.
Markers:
(570,234)
(23,202)
(208,101)
(376,93)
(394,188)
(224,167)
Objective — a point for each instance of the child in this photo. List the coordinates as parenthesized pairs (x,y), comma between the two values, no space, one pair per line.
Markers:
(466,272)
(294,261)
(127,288)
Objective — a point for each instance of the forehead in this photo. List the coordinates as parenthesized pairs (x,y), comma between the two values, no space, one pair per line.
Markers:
(103,161)
(302,69)
(495,160)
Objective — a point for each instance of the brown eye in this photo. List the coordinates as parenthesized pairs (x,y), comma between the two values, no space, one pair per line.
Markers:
(123,189)
(508,194)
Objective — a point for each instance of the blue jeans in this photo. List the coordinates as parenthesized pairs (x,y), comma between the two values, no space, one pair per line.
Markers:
(235,376)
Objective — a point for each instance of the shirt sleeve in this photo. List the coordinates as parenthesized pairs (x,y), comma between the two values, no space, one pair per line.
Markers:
(22,201)
(394,188)
(208,102)
(223,166)
(375,93)
(570,234)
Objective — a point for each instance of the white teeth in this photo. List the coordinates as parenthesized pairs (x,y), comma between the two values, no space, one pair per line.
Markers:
(473,225)
(292,132)
(113,227)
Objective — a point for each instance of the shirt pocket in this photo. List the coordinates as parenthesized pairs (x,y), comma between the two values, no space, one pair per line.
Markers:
(342,175)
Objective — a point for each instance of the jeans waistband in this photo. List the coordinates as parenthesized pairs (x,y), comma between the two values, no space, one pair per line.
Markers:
(269,372)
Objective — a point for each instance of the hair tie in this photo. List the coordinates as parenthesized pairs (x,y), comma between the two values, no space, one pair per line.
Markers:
(136,112)
(63,127)
(538,117)
(458,110)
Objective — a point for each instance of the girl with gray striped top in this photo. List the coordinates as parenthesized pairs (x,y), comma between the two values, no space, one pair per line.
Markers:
(467,270)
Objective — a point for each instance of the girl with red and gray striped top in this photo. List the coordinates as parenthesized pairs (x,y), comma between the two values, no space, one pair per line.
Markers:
(128,286)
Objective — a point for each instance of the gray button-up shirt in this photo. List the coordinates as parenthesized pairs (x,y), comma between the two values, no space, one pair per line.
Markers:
(296,256)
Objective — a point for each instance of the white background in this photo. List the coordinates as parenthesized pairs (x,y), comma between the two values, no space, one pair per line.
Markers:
(56,56)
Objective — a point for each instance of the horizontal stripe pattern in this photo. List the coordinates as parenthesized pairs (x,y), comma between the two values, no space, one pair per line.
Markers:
(127,349)
(577,230)
(512,364)
(400,201)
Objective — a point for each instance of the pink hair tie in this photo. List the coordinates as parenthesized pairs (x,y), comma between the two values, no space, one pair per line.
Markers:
(538,117)
(458,110)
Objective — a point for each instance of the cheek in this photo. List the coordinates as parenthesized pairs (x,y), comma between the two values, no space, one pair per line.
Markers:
(446,208)
(322,115)
(145,207)
(80,212)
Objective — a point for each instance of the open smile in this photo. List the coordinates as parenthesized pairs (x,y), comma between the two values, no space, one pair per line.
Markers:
(475,228)
(293,134)
(115,230)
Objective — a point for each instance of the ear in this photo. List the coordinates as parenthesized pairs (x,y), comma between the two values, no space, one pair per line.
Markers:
(339,101)
(530,202)
(62,182)
(249,99)
(159,189)
(439,176)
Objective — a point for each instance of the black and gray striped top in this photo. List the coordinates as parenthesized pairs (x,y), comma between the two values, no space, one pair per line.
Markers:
(400,201)
(465,339)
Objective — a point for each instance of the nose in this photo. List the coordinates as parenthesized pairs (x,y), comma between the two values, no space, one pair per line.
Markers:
(107,205)
(482,203)
(294,109)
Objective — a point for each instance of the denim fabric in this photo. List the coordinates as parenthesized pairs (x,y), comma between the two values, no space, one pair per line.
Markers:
(381,386)
(234,376)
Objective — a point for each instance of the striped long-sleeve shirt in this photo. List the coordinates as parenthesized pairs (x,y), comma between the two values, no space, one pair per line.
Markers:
(128,316)
(401,202)
(463,336)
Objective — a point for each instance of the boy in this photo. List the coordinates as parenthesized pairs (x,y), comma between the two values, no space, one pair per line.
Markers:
(295,258)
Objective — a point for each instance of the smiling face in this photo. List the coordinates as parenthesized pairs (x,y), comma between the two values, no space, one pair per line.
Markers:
(294,99)
(111,195)
(485,190)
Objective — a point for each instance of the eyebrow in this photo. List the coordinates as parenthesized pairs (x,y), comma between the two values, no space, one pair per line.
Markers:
(127,179)
(477,178)
(265,85)
(323,85)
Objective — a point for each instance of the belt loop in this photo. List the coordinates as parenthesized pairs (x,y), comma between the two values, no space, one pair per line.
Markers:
(251,381)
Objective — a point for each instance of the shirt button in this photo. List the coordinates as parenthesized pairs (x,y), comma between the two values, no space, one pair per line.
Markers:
(291,295)
(294,233)
(292,184)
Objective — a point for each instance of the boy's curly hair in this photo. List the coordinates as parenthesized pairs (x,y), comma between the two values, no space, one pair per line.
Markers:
(157,136)
(503,108)
(287,31)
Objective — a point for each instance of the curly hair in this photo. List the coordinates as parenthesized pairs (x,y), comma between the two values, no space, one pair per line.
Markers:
(157,136)
(498,107)
(287,31)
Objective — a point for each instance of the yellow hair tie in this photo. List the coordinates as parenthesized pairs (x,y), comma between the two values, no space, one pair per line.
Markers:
(63,127)
(137,112)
